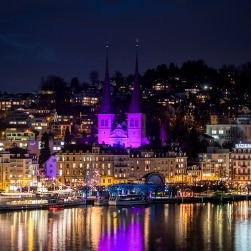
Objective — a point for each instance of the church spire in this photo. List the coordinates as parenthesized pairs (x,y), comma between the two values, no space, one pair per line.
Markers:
(106,102)
(135,105)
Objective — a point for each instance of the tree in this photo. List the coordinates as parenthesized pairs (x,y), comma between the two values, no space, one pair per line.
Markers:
(94,77)
(62,93)
(67,137)
(45,151)
(193,144)
(162,72)
(75,85)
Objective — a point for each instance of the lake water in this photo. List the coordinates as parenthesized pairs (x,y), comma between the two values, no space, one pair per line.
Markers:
(169,227)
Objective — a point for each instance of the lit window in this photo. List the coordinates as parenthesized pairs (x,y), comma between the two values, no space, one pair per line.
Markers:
(214,131)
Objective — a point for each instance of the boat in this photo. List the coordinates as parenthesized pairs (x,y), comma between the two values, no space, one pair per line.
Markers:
(129,200)
(65,199)
(55,206)
(16,195)
(73,202)
(101,201)
(17,202)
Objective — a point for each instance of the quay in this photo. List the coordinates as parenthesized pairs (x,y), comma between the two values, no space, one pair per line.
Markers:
(202,199)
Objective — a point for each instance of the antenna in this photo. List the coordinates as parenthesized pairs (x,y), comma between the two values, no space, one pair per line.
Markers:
(137,42)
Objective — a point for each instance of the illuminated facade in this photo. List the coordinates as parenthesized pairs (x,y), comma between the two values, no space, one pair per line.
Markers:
(80,165)
(18,169)
(241,162)
(129,133)
(236,130)
(4,170)
(215,164)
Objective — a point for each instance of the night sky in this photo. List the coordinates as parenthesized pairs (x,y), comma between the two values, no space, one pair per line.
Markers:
(67,38)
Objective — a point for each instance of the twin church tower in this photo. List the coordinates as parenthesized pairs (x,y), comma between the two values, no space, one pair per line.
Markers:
(131,133)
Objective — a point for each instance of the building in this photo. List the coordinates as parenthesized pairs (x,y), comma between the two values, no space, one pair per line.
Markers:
(236,131)
(131,132)
(102,165)
(241,163)
(18,170)
(170,164)
(4,170)
(81,165)
(215,164)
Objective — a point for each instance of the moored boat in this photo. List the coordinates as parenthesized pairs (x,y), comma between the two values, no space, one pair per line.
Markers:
(101,201)
(48,202)
(14,205)
(129,200)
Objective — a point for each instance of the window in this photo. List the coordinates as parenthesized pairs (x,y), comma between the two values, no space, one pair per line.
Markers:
(132,122)
(136,123)
(221,131)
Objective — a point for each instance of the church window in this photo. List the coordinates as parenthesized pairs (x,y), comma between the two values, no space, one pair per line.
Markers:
(102,122)
(106,122)
(136,123)
(132,122)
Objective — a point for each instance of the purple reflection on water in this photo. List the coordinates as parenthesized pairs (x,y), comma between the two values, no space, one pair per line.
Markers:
(124,237)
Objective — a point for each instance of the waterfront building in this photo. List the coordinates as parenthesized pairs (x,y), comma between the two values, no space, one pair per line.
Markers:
(241,163)
(215,164)
(172,165)
(194,174)
(4,170)
(79,165)
(18,169)
(23,169)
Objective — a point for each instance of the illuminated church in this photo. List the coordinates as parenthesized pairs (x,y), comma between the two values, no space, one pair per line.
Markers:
(132,132)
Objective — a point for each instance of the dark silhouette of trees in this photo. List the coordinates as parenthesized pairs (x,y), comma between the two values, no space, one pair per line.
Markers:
(162,72)
(67,137)
(119,80)
(45,151)
(75,85)
(148,78)
(196,72)
(61,91)
(193,144)
(94,77)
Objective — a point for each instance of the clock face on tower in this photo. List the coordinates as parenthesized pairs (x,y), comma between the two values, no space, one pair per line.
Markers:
(118,133)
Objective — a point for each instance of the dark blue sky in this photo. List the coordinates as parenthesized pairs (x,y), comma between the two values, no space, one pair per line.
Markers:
(67,38)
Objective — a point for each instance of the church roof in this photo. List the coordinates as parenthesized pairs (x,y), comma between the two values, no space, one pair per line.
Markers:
(135,104)
(106,102)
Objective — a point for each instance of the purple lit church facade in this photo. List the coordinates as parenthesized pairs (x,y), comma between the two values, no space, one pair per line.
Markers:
(132,132)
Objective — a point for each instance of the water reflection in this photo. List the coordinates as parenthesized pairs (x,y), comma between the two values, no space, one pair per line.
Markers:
(158,227)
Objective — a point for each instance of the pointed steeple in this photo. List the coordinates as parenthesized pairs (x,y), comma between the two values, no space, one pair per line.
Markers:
(135,104)
(106,102)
